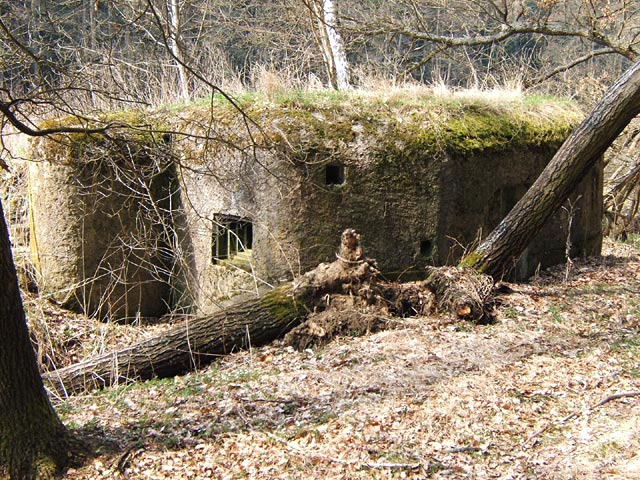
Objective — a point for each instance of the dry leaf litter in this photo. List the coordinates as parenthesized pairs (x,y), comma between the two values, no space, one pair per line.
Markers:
(428,398)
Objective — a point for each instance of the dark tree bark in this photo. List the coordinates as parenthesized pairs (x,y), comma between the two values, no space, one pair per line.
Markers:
(33,441)
(580,152)
(198,342)
(188,346)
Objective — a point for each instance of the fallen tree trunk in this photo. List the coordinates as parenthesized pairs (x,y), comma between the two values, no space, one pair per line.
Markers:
(198,342)
(187,346)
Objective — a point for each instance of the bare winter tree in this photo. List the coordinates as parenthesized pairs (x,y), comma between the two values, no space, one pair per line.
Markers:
(537,40)
(33,441)
(324,16)
(622,197)
(37,79)
(174,44)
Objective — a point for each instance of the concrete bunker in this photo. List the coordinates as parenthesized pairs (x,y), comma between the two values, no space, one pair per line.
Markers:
(230,211)
(101,222)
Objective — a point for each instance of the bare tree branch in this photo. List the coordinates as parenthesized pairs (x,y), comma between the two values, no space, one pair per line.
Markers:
(568,66)
(6,110)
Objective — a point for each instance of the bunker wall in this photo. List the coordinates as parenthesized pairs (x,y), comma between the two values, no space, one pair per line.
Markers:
(101,227)
(139,227)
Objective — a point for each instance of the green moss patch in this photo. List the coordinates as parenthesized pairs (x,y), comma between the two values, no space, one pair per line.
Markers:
(333,122)
(282,305)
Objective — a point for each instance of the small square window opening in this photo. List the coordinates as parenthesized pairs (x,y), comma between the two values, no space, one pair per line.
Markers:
(334,175)
(426,248)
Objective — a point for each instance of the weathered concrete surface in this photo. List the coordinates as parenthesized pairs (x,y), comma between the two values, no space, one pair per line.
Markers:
(101,229)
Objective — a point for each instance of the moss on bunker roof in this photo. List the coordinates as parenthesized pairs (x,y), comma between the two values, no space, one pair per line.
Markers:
(411,121)
(460,124)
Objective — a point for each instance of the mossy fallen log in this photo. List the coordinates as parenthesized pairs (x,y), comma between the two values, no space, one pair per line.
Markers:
(348,286)
(195,343)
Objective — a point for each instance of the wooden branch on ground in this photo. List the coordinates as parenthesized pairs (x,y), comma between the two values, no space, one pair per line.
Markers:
(185,347)
(616,397)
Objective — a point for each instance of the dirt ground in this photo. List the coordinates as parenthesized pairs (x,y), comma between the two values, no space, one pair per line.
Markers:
(551,390)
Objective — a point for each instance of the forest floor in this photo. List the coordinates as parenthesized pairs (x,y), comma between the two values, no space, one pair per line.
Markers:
(550,390)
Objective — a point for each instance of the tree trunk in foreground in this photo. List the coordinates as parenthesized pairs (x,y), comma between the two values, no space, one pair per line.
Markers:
(198,342)
(187,346)
(33,441)
(498,252)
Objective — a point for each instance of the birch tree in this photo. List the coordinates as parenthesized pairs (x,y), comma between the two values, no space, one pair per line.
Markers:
(325,16)
(173,42)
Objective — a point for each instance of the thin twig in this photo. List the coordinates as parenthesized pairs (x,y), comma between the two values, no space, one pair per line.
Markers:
(125,458)
(464,449)
(616,397)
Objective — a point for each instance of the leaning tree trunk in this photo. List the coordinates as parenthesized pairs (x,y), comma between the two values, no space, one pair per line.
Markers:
(580,152)
(33,441)
(251,323)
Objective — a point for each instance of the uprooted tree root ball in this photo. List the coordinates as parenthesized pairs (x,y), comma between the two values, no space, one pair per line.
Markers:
(464,292)
(360,304)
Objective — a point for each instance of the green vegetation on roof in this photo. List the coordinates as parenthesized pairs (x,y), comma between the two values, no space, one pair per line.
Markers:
(460,125)
(398,121)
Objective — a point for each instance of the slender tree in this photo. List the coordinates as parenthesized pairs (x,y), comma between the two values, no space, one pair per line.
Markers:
(173,40)
(325,16)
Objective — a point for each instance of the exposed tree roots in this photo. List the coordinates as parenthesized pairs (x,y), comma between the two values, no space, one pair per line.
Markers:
(464,292)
